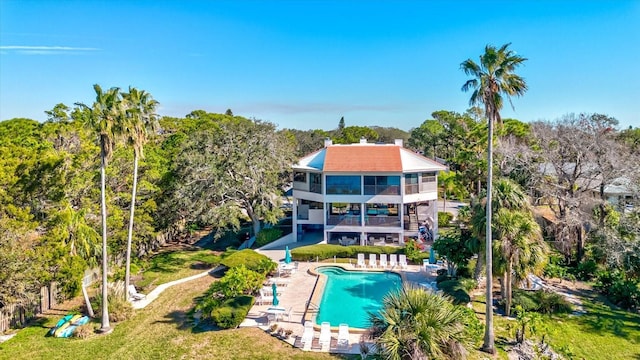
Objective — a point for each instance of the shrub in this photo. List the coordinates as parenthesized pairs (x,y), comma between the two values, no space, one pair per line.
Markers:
(456,290)
(328,251)
(444,219)
(83,331)
(413,252)
(231,312)
(250,259)
(266,236)
(237,281)
(545,302)
(586,270)
(119,308)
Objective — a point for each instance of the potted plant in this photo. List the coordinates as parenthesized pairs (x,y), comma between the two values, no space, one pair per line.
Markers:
(288,333)
(281,333)
(273,328)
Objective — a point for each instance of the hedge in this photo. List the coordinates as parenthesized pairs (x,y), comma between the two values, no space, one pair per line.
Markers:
(250,259)
(232,311)
(328,251)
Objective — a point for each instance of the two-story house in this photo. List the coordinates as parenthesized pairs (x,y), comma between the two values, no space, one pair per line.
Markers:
(365,193)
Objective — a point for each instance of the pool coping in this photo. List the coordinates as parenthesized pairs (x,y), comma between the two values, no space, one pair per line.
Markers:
(321,280)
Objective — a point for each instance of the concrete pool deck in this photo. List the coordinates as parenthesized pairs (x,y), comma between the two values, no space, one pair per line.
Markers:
(300,290)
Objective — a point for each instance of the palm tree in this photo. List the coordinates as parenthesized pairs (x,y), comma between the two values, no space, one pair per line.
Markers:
(492,79)
(140,110)
(416,324)
(520,247)
(105,116)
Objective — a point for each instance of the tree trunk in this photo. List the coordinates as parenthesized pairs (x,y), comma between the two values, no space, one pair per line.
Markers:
(478,270)
(105,302)
(508,282)
(580,243)
(489,336)
(127,271)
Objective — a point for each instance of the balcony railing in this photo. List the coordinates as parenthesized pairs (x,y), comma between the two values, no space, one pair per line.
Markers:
(344,220)
(382,190)
(382,220)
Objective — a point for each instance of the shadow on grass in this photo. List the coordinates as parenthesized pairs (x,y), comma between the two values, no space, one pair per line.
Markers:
(601,318)
(179,318)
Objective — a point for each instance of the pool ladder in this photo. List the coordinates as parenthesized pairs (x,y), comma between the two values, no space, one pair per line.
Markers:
(312,306)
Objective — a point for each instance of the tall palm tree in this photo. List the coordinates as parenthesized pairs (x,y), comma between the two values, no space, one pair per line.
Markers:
(416,324)
(493,79)
(140,111)
(520,247)
(105,116)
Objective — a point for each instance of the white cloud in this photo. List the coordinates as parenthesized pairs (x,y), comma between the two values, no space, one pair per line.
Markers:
(43,50)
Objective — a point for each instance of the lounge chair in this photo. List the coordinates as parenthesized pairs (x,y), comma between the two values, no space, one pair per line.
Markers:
(278,281)
(134,294)
(383,260)
(343,336)
(372,261)
(393,260)
(264,298)
(307,335)
(325,334)
(269,290)
(361,261)
(403,261)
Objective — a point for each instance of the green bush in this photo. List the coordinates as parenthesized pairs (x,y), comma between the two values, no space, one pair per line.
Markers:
(455,289)
(413,252)
(237,281)
(620,290)
(250,259)
(266,236)
(231,312)
(545,302)
(328,251)
(586,270)
(444,219)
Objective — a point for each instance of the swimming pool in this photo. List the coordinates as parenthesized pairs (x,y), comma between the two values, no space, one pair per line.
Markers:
(349,295)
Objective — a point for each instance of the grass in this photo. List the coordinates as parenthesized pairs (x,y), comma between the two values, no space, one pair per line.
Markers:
(168,266)
(161,331)
(603,333)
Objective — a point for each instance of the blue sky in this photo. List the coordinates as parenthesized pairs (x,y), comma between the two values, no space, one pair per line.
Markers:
(305,64)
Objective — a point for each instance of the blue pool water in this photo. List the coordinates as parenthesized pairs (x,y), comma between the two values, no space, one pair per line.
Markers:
(349,295)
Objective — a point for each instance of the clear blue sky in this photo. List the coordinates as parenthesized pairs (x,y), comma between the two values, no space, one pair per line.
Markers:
(304,64)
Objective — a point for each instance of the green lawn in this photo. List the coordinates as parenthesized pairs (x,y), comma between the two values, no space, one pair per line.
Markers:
(169,266)
(160,331)
(603,333)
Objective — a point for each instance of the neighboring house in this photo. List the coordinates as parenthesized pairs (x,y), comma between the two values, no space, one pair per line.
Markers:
(365,193)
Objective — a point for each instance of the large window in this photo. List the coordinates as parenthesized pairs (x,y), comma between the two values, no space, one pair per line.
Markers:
(315,183)
(343,185)
(411,184)
(428,177)
(299,176)
(382,185)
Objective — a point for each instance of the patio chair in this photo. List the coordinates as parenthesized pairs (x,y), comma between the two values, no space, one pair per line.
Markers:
(383,260)
(264,298)
(403,261)
(393,260)
(307,335)
(361,261)
(343,336)
(134,294)
(325,334)
(372,261)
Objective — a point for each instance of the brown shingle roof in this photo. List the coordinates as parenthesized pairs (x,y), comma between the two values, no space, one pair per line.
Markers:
(359,158)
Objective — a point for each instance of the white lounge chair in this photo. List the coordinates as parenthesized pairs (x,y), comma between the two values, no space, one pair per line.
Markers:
(264,298)
(372,261)
(307,335)
(393,260)
(403,261)
(134,294)
(325,334)
(361,261)
(343,336)
(383,260)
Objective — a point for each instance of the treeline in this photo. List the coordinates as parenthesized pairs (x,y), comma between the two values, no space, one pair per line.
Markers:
(203,170)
